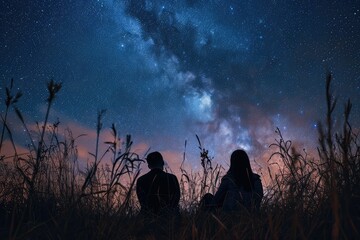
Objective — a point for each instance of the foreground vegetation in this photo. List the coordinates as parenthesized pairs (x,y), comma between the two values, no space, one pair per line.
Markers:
(46,194)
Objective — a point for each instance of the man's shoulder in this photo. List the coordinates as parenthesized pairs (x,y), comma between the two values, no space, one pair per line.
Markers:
(158,174)
(145,176)
(256,176)
(140,179)
(169,174)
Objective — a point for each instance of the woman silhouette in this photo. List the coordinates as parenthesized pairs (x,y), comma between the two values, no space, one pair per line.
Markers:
(240,187)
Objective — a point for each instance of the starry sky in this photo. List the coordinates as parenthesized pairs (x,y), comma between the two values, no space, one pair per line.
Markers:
(229,71)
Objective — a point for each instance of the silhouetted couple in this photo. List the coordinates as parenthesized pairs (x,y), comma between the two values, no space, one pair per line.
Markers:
(159,192)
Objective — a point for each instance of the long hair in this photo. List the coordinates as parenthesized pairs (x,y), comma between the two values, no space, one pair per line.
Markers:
(240,170)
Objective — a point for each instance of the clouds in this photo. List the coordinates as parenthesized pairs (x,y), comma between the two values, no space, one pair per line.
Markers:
(223,67)
(229,71)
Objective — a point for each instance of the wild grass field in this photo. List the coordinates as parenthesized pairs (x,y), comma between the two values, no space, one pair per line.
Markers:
(47,194)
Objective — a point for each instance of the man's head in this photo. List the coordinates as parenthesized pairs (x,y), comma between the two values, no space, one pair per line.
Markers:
(155,160)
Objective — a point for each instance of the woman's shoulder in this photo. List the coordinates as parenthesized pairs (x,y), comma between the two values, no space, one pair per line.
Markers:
(256,176)
(227,179)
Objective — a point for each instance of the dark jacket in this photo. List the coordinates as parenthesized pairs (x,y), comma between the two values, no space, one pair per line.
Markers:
(232,197)
(158,192)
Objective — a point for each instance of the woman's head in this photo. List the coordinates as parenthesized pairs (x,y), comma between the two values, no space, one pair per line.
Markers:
(240,169)
(239,160)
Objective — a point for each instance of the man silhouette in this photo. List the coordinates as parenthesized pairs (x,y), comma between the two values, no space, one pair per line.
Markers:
(158,192)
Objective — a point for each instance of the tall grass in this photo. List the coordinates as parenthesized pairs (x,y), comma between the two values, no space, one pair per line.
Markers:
(47,194)
(194,185)
(319,196)
(40,187)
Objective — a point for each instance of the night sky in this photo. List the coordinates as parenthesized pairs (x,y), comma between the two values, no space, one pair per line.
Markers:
(229,71)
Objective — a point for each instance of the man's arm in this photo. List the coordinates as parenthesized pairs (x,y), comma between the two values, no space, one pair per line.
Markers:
(176,191)
(140,192)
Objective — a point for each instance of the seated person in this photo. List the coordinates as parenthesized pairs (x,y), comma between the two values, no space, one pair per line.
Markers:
(240,187)
(158,192)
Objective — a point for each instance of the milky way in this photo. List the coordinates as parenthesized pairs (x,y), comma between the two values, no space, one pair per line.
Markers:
(229,71)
